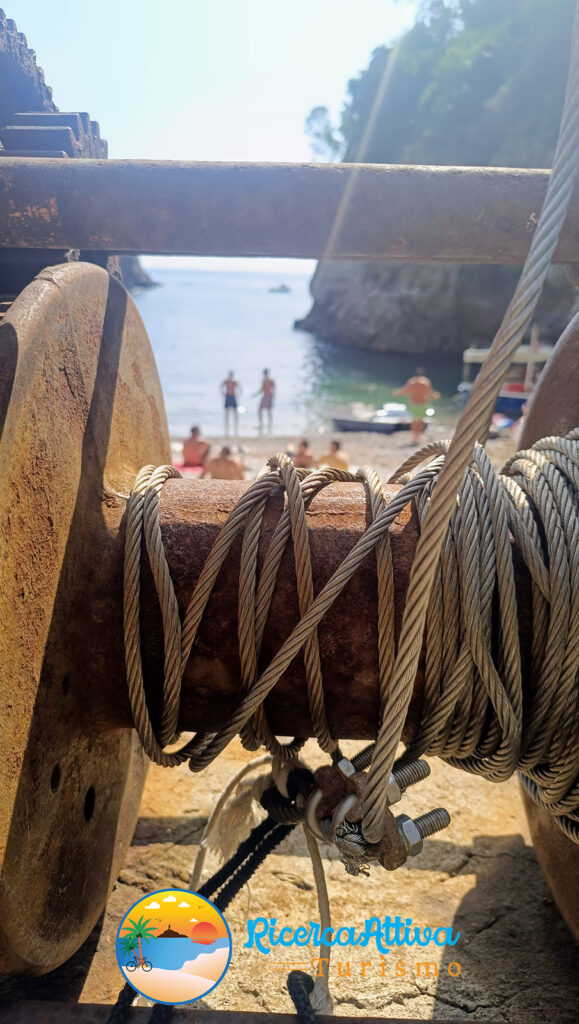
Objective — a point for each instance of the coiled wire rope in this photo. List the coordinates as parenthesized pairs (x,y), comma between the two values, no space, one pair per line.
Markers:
(477,714)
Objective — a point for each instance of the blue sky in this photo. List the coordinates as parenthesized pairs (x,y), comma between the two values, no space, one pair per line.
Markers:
(205,79)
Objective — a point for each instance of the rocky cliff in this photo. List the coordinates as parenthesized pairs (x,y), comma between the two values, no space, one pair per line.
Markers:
(134,275)
(478,84)
(402,307)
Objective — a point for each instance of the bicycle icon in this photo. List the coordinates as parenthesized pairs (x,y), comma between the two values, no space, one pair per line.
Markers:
(135,962)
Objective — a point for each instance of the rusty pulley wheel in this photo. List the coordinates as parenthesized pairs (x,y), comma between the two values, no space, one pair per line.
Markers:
(81,411)
(554,409)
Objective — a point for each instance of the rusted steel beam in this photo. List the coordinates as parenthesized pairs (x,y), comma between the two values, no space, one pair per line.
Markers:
(29,1012)
(191,514)
(346,211)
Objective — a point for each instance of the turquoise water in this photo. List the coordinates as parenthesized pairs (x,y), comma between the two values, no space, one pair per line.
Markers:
(172,953)
(204,323)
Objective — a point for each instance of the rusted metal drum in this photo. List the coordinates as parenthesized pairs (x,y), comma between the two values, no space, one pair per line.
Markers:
(554,410)
(80,412)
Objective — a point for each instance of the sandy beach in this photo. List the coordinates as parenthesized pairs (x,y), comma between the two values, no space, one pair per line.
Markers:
(190,982)
(383,451)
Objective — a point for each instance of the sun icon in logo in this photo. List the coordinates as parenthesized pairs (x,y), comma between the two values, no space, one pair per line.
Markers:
(173,946)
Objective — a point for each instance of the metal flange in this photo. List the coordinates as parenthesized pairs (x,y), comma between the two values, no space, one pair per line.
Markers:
(81,411)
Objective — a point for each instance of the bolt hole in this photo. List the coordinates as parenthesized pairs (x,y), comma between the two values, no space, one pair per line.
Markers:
(66,684)
(55,778)
(89,802)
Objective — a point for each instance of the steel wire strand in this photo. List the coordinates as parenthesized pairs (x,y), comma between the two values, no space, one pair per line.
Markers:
(311,484)
(305,588)
(251,735)
(167,603)
(385,580)
(257,729)
(526,537)
(559,612)
(472,426)
(499,746)
(471,698)
(565,690)
(131,613)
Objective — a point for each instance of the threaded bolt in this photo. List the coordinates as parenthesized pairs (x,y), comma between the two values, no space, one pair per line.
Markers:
(414,830)
(407,775)
(364,758)
(433,821)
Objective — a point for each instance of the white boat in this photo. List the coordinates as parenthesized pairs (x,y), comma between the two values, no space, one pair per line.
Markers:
(527,363)
(387,419)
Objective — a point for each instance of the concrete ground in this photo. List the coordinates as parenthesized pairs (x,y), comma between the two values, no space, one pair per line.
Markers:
(517,961)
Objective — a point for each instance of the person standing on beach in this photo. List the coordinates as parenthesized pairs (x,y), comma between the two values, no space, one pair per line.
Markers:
(419,391)
(195,449)
(231,389)
(336,458)
(267,392)
(224,466)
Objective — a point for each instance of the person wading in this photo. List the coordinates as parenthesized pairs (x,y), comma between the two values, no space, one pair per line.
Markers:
(231,389)
(418,391)
(267,392)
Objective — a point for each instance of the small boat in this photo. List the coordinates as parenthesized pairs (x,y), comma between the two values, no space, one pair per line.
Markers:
(526,366)
(280,289)
(390,417)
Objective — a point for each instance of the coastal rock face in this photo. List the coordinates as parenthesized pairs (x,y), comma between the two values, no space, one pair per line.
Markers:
(430,307)
(134,274)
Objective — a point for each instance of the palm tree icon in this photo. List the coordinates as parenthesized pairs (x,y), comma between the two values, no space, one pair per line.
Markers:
(136,931)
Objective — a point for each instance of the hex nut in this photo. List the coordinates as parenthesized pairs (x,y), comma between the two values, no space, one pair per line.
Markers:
(390,852)
(346,767)
(393,791)
(410,834)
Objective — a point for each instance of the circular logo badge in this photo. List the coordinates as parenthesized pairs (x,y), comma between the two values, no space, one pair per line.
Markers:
(173,946)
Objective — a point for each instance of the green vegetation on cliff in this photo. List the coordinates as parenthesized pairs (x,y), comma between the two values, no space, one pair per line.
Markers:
(474,82)
(477,82)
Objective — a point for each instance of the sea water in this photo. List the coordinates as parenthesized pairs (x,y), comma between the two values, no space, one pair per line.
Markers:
(172,953)
(203,323)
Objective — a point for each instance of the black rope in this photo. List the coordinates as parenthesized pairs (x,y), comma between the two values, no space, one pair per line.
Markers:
(239,868)
(280,808)
(120,1011)
(244,849)
(226,882)
(161,1013)
(299,986)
